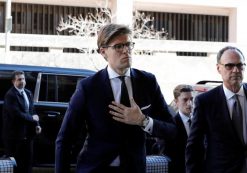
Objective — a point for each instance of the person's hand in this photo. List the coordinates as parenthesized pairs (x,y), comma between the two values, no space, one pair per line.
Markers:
(128,115)
(35,117)
(38,130)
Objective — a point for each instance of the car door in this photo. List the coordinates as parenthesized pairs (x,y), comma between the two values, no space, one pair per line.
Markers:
(51,103)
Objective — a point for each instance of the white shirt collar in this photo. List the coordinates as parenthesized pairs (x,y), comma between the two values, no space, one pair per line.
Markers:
(183,117)
(112,74)
(19,90)
(229,93)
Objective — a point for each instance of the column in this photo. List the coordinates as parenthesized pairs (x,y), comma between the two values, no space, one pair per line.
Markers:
(122,11)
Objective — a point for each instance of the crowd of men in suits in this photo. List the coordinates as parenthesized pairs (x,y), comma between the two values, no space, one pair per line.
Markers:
(119,105)
(213,137)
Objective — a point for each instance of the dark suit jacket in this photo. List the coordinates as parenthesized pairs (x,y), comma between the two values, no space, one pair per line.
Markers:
(106,139)
(225,153)
(18,122)
(176,149)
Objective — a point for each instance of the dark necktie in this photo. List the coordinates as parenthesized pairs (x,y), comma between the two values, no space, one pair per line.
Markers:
(124,99)
(126,129)
(25,101)
(237,117)
(189,122)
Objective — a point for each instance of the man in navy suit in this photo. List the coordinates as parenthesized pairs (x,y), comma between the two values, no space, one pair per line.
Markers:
(183,98)
(115,139)
(215,143)
(20,123)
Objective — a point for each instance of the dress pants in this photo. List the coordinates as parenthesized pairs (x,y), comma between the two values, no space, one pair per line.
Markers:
(22,151)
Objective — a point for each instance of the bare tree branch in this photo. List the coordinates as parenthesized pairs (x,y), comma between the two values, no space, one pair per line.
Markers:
(88,26)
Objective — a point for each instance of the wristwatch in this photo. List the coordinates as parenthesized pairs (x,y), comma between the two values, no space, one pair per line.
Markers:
(145,121)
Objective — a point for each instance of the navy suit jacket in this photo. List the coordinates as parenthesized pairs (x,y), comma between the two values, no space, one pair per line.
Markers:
(180,145)
(221,151)
(176,149)
(88,109)
(18,122)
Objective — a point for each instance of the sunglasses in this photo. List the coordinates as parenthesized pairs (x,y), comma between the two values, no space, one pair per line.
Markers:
(230,66)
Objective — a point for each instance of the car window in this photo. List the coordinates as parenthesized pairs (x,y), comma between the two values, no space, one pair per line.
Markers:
(31,78)
(57,88)
(6,83)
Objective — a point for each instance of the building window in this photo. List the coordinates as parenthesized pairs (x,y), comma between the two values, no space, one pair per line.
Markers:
(192,27)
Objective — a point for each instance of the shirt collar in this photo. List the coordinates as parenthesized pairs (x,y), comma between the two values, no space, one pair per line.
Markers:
(183,117)
(229,94)
(19,90)
(112,74)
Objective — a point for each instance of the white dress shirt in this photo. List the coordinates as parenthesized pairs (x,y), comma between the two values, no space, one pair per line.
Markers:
(116,89)
(24,94)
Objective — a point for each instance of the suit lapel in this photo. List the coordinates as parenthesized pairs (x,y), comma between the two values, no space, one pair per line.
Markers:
(19,97)
(140,90)
(245,90)
(180,124)
(106,87)
(223,105)
(226,115)
(136,83)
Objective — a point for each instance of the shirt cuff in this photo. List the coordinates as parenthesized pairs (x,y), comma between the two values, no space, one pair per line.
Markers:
(149,126)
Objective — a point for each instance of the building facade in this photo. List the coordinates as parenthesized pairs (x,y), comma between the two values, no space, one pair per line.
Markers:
(196,31)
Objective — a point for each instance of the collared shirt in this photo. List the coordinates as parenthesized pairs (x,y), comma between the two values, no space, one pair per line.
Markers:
(116,83)
(242,99)
(185,120)
(24,94)
(116,89)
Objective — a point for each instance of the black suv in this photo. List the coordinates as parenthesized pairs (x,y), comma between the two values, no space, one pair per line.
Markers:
(52,88)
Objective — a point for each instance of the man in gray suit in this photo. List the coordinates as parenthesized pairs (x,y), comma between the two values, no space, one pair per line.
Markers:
(218,141)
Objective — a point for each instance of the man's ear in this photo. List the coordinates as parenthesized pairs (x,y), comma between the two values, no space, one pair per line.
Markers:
(103,53)
(176,101)
(101,50)
(218,68)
